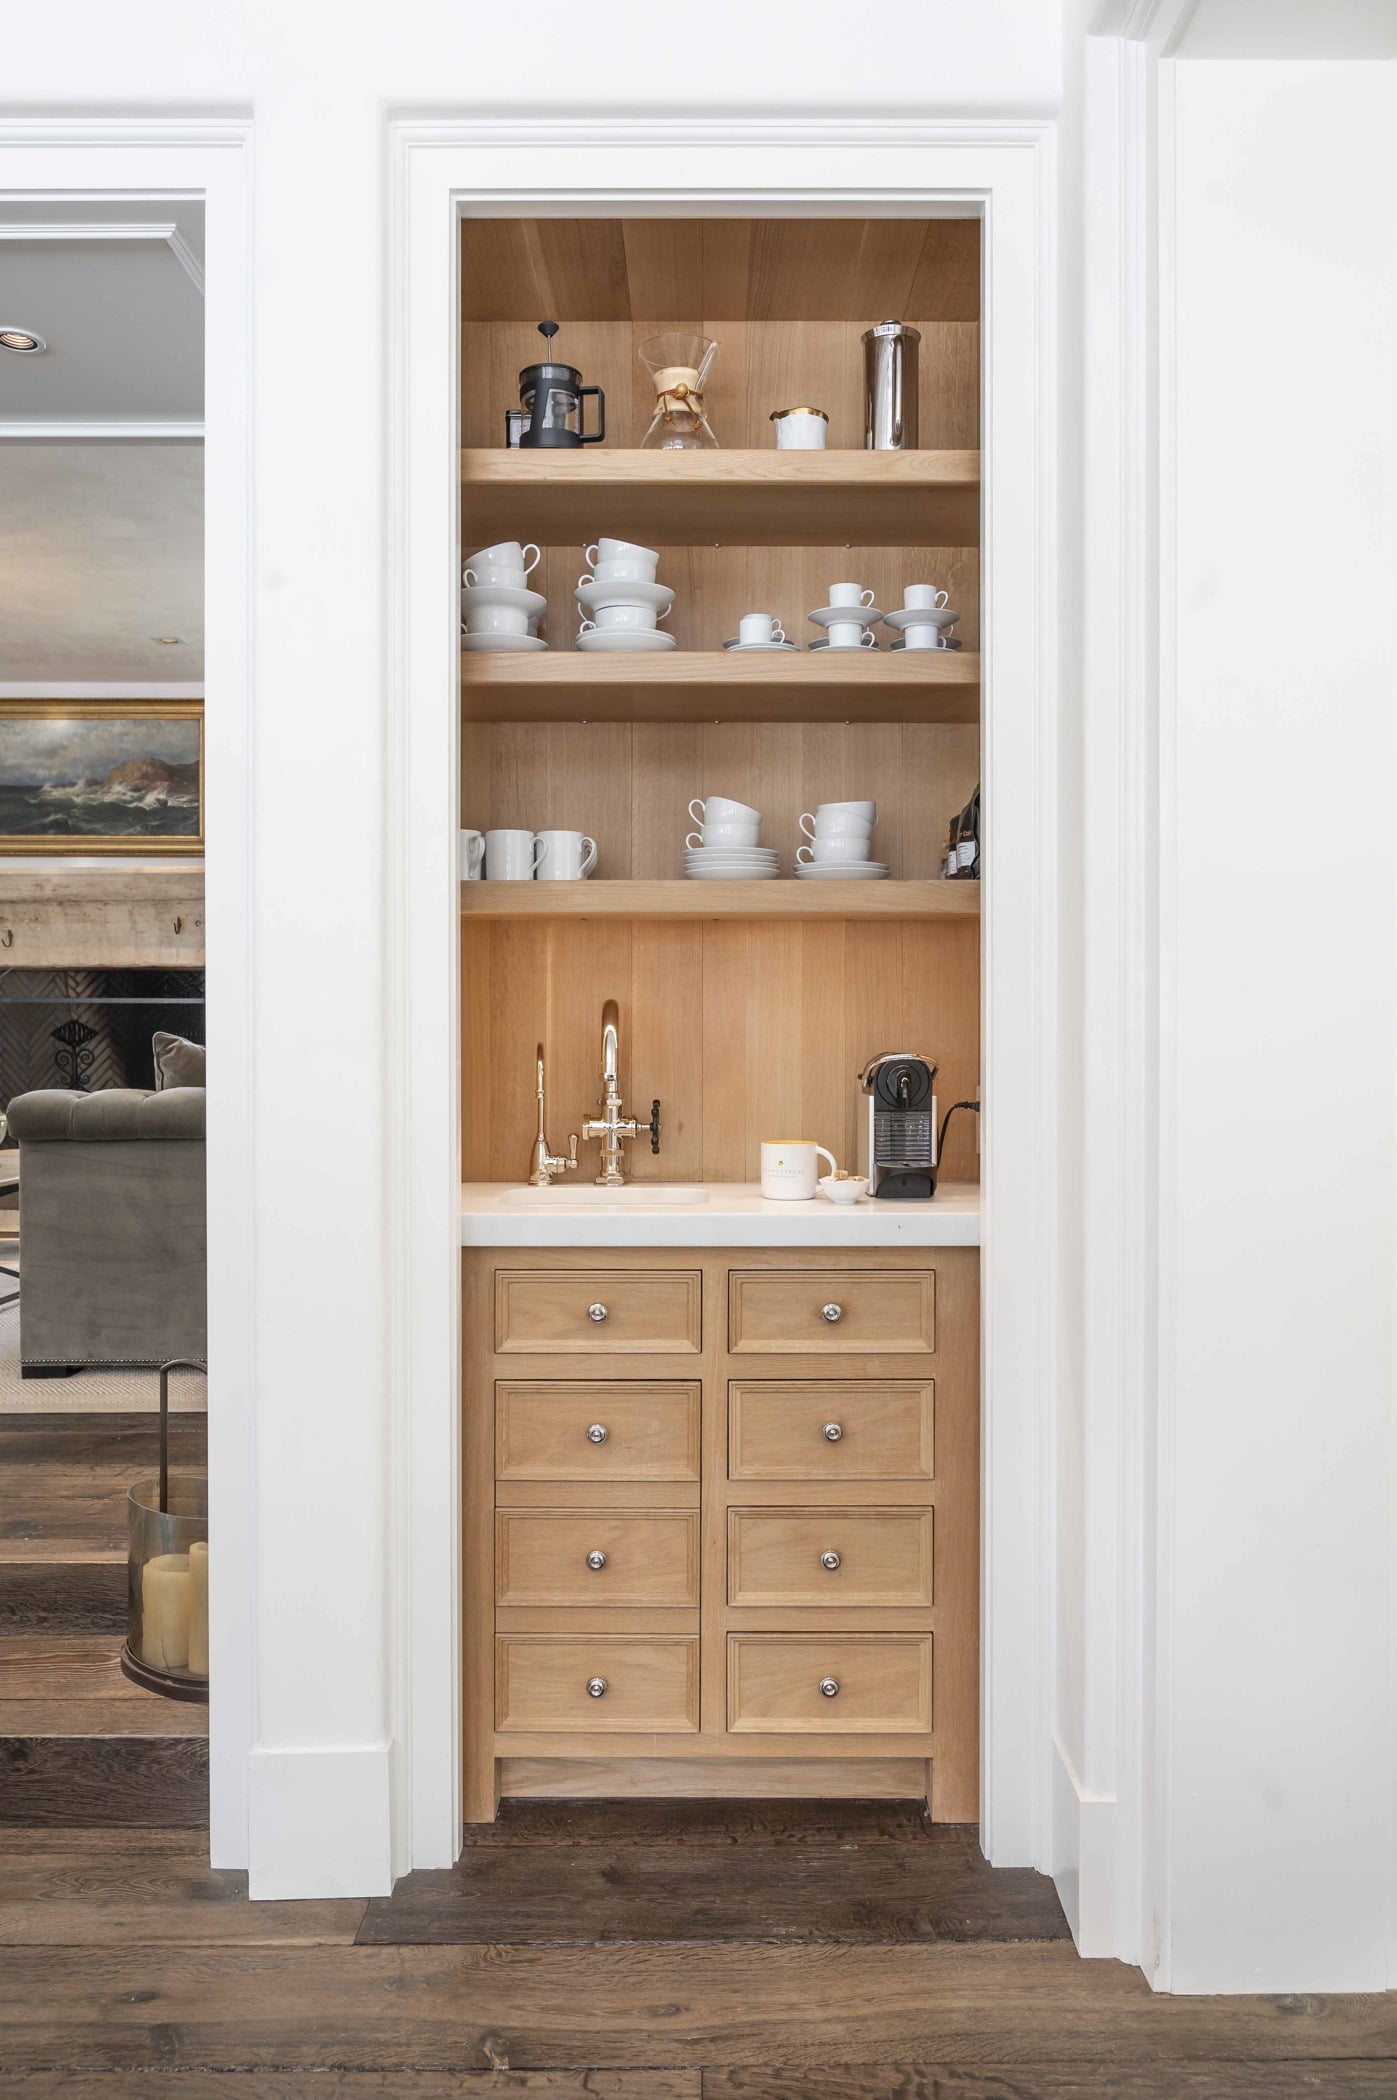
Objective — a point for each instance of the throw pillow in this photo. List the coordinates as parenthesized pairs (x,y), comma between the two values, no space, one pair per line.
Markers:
(177,1062)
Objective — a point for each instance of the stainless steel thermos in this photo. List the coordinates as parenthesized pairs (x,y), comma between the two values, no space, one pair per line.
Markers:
(890,387)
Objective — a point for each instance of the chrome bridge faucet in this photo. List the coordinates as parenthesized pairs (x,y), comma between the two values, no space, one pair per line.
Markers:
(611,1126)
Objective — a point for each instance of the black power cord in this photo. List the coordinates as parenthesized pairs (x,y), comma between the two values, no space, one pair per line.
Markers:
(974,1106)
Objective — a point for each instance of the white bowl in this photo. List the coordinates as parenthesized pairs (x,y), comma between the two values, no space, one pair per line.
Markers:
(843,1190)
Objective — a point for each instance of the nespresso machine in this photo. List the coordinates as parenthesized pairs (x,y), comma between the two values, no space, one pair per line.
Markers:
(897,1136)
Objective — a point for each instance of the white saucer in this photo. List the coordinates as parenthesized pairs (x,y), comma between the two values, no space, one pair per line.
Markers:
(828,615)
(922,648)
(518,644)
(729,860)
(761,874)
(505,597)
(658,596)
(620,641)
(842,648)
(842,870)
(906,617)
(748,647)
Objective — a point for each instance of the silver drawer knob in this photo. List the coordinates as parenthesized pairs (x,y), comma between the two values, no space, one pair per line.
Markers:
(833,1431)
(596,1561)
(830,1560)
(831,1313)
(596,1687)
(597,1433)
(830,1687)
(596,1313)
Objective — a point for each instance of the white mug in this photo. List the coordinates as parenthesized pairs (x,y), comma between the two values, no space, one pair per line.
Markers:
(836,845)
(472,852)
(848,634)
(511,856)
(760,627)
(849,594)
(617,550)
(496,619)
(718,809)
(790,1169)
(567,856)
(923,597)
(626,616)
(918,637)
(801,430)
(505,554)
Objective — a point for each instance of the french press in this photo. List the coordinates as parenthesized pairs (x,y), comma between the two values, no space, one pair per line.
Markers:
(550,403)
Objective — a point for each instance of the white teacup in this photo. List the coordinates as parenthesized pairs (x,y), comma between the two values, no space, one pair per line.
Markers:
(505,554)
(472,855)
(509,579)
(496,619)
(760,627)
(719,809)
(733,832)
(849,594)
(919,637)
(511,856)
(618,550)
(923,597)
(622,572)
(800,429)
(827,813)
(790,1168)
(567,856)
(848,634)
(836,845)
(625,616)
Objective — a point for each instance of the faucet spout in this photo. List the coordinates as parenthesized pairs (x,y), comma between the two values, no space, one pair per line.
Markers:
(610,1043)
(611,1127)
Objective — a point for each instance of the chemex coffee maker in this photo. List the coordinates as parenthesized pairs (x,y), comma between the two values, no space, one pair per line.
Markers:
(551,412)
(897,1137)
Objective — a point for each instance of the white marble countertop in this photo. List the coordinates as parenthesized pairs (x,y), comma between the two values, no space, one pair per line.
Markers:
(707,1214)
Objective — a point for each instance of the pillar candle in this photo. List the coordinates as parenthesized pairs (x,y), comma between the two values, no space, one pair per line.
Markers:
(199,1607)
(165,1612)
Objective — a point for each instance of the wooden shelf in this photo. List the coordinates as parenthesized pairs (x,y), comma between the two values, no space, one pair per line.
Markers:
(786,898)
(693,685)
(115,916)
(676,499)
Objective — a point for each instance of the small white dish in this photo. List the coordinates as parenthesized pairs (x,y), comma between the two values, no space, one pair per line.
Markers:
(748,648)
(764,873)
(922,648)
(593,596)
(843,1189)
(938,616)
(622,641)
(831,615)
(501,597)
(518,644)
(841,871)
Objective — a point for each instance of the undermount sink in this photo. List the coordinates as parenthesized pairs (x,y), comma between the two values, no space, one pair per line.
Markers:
(645,1195)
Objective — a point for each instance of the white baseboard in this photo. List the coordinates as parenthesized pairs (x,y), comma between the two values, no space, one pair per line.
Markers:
(319,1823)
(1086,1835)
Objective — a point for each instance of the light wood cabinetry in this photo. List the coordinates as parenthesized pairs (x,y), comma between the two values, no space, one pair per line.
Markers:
(715,1558)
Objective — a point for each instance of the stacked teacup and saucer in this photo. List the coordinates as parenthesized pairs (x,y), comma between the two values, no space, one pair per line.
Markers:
(497,610)
(848,620)
(839,838)
(621,600)
(759,631)
(724,848)
(925,618)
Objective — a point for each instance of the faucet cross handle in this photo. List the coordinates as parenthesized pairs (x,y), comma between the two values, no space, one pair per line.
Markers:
(654,1126)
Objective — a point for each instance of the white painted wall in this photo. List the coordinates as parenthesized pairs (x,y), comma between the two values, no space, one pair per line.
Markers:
(1277,1501)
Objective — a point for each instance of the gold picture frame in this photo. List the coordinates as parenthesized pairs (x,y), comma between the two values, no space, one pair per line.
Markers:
(143,803)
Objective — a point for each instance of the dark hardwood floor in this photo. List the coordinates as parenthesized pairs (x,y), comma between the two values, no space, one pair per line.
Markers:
(621,1951)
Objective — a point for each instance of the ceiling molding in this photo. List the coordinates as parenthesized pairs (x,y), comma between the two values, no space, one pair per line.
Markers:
(96,689)
(186,258)
(111,427)
(111,230)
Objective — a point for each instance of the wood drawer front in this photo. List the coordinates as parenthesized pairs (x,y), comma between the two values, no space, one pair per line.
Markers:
(542,1430)
(541,1557)
(651,1311)
(883,1680)
(541,1682)
(874,1311)
(776,1556)
(886,1429)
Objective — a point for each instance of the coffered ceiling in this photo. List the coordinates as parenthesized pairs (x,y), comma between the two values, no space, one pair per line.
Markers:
(101,452)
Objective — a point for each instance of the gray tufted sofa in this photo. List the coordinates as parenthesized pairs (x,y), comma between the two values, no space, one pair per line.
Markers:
(112,1226)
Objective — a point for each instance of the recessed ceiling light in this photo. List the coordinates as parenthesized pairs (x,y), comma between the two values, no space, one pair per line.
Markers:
(169,641)
(22,340)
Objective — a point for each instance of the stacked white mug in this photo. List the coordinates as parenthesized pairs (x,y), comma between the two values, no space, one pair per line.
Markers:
(621,600)
(925,618)
(517,855)
(849,619)
(725,848)
(497,607)
(840,837)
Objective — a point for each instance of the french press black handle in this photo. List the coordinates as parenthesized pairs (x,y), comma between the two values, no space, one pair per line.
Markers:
(592,437)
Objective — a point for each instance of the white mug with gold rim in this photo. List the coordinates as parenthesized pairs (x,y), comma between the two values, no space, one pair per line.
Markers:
(790,1168)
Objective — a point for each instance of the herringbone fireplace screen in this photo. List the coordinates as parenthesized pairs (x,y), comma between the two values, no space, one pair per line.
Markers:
(91,1029)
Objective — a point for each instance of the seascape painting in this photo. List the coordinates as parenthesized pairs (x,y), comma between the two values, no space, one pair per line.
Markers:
(100,776)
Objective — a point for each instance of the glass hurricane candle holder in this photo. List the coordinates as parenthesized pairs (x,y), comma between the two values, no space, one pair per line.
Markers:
(167,1543)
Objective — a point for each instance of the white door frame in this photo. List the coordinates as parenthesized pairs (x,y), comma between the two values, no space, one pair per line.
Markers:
(210,159)
(438,172)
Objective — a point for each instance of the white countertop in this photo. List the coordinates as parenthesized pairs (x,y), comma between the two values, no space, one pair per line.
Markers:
(707,1214)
